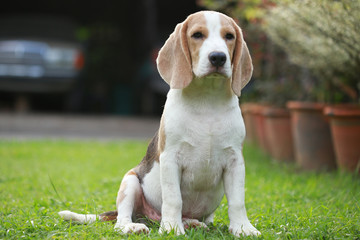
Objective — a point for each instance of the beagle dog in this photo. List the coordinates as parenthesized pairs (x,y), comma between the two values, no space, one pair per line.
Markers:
(196,155)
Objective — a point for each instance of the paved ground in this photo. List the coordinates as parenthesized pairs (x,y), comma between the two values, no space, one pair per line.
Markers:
(44,126)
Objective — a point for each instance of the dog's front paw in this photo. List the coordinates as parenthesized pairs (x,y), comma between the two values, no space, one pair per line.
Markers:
(167,227)
(244,229)
(131,228)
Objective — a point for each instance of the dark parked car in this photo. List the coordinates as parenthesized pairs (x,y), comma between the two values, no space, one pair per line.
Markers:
(38,54)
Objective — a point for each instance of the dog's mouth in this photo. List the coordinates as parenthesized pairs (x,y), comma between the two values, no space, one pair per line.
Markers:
(218,72)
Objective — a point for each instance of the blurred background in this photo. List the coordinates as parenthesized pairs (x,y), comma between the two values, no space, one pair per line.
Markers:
(99,57)
(85,57)
(87,70)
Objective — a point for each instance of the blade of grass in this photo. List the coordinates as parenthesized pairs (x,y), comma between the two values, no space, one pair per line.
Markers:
(56,192)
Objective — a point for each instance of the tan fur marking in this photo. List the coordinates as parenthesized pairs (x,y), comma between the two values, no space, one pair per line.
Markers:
(131,172)
(228,27)
(162,138)
(121,195)
(108,216)
(173,62)
(241,59)
(196,23)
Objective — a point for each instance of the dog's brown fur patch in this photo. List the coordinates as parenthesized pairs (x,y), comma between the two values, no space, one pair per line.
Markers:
(121,195)
(196,24)
(152,155)
(108,216)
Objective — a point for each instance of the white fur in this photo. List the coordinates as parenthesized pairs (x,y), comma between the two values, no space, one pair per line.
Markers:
(151,187)
(205,139)
(214,42)
(81,218)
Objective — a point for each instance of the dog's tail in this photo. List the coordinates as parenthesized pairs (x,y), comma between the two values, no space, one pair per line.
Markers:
(88,218)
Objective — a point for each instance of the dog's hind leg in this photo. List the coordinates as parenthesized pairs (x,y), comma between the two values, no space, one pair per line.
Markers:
(129,199)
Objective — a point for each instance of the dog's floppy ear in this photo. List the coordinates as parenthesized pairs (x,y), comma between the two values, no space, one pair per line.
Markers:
(174,62)
(242,63)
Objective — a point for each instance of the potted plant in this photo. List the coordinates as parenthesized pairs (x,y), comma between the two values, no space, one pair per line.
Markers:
(279,134)
(276,117)
(345,128)
(247,110)
(321,36)
(312,137)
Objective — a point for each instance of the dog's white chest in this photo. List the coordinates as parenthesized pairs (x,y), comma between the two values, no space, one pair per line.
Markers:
(203,145)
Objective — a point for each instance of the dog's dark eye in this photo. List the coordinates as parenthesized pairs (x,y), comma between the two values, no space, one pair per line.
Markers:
(197,35)
(229,36)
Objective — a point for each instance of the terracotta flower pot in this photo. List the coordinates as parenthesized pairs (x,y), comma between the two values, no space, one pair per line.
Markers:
(260,131)
(345,129)
(312,137)
(279,134)
(249,120)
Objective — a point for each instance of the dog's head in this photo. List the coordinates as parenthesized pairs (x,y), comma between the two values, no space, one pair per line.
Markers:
(205,43)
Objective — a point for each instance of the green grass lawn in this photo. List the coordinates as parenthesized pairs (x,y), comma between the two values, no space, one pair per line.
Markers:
(40,178)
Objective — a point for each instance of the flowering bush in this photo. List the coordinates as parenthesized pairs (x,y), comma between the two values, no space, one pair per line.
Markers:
(323,36)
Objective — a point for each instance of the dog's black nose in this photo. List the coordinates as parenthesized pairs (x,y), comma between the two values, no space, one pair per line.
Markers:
(217,59)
